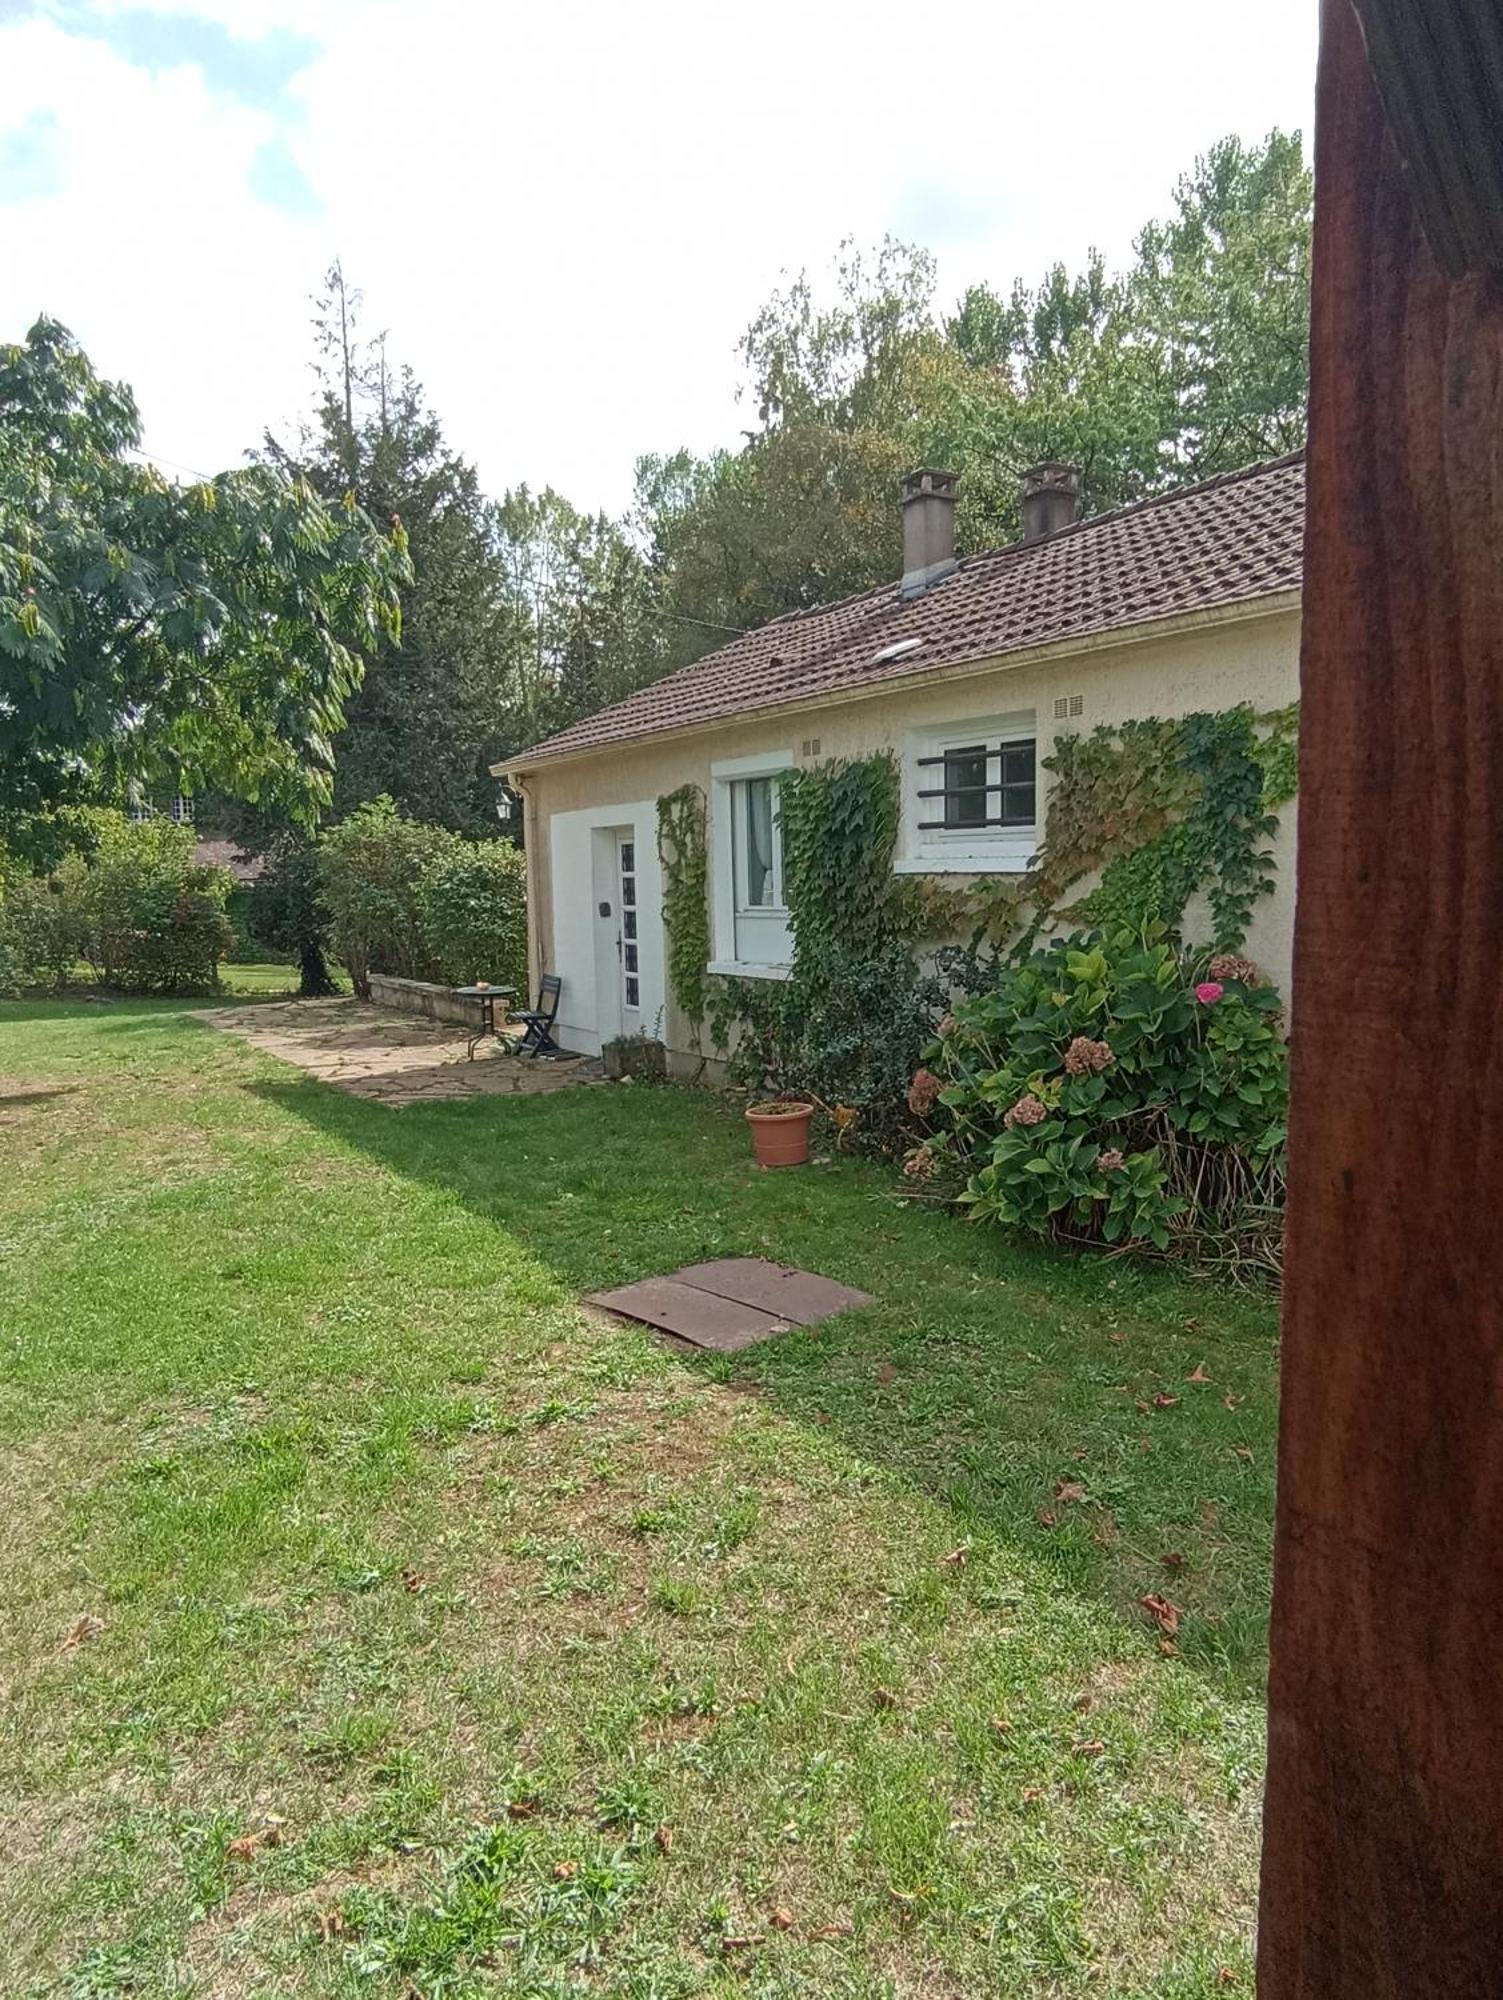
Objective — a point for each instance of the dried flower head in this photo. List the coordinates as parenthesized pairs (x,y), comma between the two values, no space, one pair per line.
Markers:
(1110,1161)
(921,1164)
(947,1025)
(923,1092)
(1231,965)
(1087,1058)
(1027,1111)
(1209,991)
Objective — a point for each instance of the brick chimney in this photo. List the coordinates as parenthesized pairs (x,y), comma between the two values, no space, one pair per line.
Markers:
(928,529)
(1051,499)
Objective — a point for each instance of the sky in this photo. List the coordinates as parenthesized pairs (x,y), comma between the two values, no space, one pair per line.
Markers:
(565,212)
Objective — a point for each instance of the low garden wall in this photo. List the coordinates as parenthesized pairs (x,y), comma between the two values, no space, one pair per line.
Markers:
(423,996)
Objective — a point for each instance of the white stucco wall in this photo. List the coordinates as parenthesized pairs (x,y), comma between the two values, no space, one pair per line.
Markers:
(1250,659)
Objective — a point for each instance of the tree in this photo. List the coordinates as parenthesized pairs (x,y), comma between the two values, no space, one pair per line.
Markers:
(156,634)
(432,714)
(1189,362)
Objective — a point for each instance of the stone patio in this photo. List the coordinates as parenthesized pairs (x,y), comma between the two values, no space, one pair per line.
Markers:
(392,1059)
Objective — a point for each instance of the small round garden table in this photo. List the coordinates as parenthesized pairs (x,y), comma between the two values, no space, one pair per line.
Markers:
(487,996)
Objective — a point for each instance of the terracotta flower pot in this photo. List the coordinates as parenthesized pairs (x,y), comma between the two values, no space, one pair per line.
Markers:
(780,1133)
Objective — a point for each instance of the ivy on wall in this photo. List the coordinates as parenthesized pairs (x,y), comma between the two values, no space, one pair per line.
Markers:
(686,920)
(1161,810)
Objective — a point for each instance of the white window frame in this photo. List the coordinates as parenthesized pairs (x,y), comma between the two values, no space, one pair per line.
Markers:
(724,777)
(964,850)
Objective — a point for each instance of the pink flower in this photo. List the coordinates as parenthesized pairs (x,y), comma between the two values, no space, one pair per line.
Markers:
(1209,991)
(923,1092)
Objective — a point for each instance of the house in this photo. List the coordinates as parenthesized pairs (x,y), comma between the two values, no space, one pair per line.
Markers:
(963,670)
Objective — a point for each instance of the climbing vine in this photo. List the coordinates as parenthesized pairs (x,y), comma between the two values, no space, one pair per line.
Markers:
(686,922)
(1160,810)
(840,826)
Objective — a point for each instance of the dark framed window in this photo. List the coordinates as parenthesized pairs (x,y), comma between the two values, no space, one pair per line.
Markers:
(980,785)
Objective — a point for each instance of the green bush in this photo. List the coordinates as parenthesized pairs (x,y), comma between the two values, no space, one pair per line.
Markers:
(472,910)
(155,916)
(418,902)
(371,868)
(44,930)
(138,908)
(1114,1090)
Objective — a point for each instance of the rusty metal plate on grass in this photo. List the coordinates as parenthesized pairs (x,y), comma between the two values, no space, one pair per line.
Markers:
(703,1318)
(800,1296)
(730,1303)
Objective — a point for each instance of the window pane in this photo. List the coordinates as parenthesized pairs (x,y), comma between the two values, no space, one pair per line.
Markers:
(629,923)
(631,957)
(965,787)
(1018,801)
(628,891)
(633,996)
(759,843)
(628,856)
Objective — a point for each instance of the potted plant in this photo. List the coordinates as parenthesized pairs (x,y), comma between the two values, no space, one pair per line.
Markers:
(780,1131)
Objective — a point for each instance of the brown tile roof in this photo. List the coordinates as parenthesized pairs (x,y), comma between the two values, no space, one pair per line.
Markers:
(1204,547)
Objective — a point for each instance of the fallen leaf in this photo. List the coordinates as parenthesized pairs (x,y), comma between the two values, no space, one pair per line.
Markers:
(1047,1517)
(956,1558)
(1172,1559)
(1200,1374)
(565,1871)
(1168,1648)
(1163,1402)
(1084,1703)
(1243,1451)
(1225,1976)
(744,1943)
(82,1629)
(1093,1748)
(330,1925)
(413,1580)
(663,1840)
(521,1808)
(1164,1614)
(781,1919)
(1032,1794)
(268,1834)
(1068,1490)
(884,1698)
(1229,1401)
(827,1931)
(1002,1725)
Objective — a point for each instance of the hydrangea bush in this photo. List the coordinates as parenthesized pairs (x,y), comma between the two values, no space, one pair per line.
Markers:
(1115,1089)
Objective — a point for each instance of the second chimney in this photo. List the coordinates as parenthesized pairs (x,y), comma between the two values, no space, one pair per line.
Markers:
(1051,499)
(928,529)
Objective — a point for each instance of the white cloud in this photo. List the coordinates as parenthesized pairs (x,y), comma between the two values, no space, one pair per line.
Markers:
(567,214)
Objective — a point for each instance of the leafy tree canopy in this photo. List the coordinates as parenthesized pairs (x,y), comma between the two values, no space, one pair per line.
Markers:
(164,635)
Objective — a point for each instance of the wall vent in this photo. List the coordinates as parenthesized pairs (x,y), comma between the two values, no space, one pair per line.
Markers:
(1066,705)
(811,747)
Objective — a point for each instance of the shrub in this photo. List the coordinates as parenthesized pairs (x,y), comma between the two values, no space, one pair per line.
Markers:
(418,902)
(155,917)
(1115,1090)
(44,930)
(472,910)
(371,868)
(846,1029)
(286,915)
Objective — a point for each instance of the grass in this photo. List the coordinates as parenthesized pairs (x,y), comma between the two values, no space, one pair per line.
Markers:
(376,1622)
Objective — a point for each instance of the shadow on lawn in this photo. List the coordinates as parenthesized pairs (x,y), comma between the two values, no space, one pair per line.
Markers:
(987,1373)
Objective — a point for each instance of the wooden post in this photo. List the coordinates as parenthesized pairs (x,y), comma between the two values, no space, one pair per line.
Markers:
(1383,1844)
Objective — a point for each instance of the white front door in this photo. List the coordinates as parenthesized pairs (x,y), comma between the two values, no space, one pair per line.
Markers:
(628,939)
(607,901)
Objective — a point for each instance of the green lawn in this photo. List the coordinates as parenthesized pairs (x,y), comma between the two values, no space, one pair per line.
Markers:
(445,1640)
